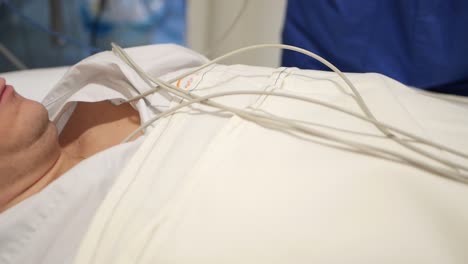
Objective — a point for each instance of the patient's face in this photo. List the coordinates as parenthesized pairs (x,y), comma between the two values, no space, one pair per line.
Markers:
(21,120)
(25,133)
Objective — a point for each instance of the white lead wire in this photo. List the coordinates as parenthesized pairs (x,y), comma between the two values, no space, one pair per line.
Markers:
(254,117)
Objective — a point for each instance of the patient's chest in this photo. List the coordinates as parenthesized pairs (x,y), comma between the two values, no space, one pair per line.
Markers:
(94,127)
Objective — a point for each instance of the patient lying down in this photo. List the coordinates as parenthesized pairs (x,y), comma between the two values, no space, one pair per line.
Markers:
(202,187)
(32,154)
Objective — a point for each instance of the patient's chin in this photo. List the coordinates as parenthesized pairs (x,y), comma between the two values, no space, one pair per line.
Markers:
(33,122)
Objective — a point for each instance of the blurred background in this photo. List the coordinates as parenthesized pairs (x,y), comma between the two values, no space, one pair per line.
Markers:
(49,33)
(419,43)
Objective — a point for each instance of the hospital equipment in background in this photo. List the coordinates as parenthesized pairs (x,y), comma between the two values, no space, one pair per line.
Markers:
(12,58)
(259,22)
(205,23)
(49,33)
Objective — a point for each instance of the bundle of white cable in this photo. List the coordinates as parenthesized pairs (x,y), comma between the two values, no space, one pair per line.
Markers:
(452,171)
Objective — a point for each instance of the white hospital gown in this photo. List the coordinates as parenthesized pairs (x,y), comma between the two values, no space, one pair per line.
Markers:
(48,227)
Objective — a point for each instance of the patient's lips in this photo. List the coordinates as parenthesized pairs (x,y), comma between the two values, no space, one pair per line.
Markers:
(6,91)
(2,88)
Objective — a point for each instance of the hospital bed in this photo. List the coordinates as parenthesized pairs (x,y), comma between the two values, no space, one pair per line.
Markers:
(256,195)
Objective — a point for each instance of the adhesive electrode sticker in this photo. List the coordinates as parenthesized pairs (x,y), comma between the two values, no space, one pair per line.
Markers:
(189,83)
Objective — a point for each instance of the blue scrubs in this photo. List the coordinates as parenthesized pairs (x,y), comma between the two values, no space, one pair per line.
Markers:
(422,43)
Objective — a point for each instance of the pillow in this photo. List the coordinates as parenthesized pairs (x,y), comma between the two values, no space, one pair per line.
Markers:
(34,84)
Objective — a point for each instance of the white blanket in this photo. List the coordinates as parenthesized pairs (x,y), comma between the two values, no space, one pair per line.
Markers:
(206,188)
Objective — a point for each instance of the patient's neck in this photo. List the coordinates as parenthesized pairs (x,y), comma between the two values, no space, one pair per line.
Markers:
(88,133)
(93,127)
(35,181)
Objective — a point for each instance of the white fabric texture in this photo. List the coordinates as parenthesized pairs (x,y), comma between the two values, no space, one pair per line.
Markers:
(34,84)
(207,188)
(48,227)
(106,73)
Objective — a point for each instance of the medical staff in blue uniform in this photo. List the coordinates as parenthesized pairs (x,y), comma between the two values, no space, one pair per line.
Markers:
(422,43)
